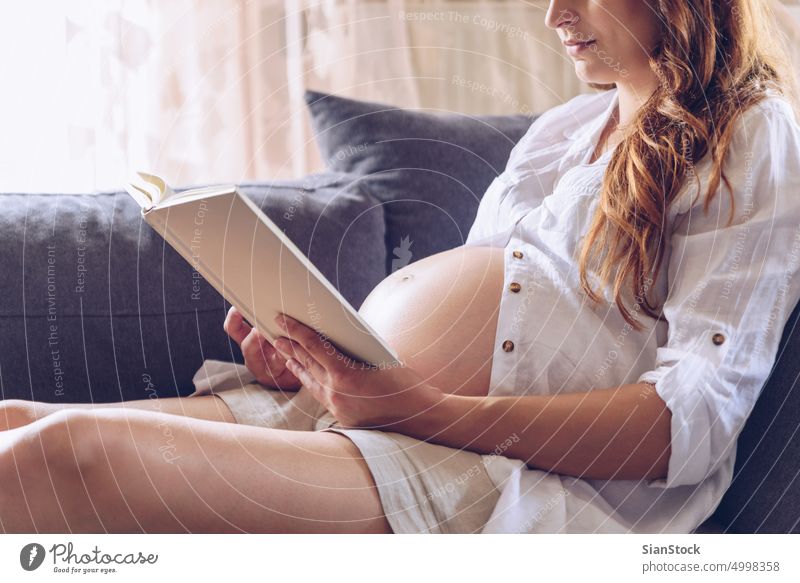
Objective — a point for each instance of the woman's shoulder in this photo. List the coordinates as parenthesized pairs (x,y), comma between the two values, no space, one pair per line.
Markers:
(775,101)
(767,128)
(772,112)
(765,134)
(763,154)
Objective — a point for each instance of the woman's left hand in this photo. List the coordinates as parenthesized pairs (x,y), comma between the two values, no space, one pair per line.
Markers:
(357,394)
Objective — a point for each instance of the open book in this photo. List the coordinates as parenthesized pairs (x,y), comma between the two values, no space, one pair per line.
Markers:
(254,265)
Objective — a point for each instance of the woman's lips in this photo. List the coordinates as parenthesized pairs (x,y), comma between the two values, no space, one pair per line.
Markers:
(576,48)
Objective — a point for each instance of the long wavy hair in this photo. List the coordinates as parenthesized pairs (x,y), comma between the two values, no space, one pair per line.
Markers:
(715,59)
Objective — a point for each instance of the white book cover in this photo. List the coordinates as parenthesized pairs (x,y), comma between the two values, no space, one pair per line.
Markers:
(251,262)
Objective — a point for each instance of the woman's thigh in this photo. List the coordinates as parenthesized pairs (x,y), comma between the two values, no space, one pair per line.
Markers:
(129,471)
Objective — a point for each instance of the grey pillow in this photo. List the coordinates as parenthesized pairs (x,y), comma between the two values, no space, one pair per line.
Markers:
(430,170)
(95,306)
(765,494)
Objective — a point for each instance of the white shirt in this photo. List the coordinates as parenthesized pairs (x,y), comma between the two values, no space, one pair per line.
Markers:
(729,292)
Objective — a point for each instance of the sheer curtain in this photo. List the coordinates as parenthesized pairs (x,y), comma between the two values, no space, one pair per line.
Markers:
(195,90)
(204,92)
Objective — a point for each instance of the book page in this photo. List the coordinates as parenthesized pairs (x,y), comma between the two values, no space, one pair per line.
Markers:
(149,190)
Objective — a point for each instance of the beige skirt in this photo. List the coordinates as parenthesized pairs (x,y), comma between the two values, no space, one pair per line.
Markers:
(423,487)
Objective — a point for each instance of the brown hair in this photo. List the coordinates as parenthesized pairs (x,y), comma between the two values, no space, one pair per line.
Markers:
(716,58)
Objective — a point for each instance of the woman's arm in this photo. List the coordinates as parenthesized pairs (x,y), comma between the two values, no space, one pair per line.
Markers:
(621,433)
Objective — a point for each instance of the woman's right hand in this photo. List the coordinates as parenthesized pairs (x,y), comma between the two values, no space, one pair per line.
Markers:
(260,357)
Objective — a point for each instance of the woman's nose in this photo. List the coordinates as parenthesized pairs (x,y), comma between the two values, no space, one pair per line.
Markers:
(561,13)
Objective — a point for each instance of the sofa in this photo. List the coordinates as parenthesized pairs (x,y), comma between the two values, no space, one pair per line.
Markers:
(94,306)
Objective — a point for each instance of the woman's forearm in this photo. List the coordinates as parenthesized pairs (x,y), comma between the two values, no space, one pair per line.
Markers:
(618,433)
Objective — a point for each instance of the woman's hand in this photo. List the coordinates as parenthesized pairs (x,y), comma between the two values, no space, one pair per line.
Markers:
(260,357)
(357,394)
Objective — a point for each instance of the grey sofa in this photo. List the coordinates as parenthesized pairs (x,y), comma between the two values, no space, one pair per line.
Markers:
(95,307)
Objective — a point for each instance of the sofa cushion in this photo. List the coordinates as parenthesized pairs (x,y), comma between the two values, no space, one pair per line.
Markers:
(429,170)
(765,494)
(94,305)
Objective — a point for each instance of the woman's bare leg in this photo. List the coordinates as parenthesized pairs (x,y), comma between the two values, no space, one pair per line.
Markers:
(209,407)
(125,470)
(15,413)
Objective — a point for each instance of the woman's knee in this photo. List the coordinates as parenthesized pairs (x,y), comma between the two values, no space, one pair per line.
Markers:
(47,463)
(16,413)
(60,443)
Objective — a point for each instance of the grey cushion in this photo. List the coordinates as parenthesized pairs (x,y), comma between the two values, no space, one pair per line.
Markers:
(429,169)
(94,306)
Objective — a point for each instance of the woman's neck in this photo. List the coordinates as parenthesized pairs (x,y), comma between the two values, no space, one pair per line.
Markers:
(630,99)
(632,95)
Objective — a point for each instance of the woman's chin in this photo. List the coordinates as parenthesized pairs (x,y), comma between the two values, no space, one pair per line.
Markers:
(589,72)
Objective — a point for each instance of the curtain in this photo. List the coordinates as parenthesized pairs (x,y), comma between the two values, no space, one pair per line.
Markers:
(205,92)
(788,15)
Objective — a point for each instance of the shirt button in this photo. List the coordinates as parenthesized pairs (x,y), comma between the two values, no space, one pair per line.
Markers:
(718,339)
(515,287)
(508,346)
(517,254)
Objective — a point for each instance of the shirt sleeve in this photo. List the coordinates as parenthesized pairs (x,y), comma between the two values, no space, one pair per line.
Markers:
(731,291)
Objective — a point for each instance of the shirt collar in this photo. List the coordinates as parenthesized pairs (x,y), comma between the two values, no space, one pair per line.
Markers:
(586,135)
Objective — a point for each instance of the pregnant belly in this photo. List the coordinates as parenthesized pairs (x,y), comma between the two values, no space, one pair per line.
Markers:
(440,314)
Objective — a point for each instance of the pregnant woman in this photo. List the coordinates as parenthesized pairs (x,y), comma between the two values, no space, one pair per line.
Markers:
(583,364)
